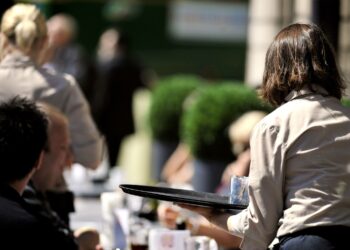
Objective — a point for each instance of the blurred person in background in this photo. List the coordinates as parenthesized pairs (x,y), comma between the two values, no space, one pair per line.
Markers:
(23,43)
(178,169)
(65,55)
(107,48)
(239,133)
(22,49)
(120,75)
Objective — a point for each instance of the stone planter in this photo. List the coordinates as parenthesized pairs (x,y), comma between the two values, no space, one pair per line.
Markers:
(161,152)
(207,174)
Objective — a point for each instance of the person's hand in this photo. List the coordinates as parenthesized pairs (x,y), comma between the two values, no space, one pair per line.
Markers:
(167,215)
(88,238)
(214,216)
(206,212)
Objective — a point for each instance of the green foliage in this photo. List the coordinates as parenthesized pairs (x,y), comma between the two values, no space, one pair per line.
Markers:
(167,105)
(205,124)
(345,102)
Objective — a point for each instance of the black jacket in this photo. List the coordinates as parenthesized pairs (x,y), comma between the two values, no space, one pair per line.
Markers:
(20,229)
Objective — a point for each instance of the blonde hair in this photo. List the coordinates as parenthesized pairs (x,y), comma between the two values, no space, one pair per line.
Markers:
(241,129)
(22,25)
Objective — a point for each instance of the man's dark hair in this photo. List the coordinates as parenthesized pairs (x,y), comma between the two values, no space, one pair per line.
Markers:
(23,135)
(300,56)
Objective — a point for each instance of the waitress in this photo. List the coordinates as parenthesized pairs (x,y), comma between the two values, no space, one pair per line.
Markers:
(299,180)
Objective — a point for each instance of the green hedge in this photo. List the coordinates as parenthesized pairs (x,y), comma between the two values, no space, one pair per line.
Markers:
(205,123)
(345,102)
(167,105)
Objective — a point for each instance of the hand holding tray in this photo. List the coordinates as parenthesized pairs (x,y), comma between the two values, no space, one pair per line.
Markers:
(202,199)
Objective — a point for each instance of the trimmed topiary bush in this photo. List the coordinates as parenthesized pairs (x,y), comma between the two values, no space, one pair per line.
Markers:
(205,123)
(167,105)
(345,102)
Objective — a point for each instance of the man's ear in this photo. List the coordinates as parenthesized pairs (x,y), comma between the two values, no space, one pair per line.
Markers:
(38,163)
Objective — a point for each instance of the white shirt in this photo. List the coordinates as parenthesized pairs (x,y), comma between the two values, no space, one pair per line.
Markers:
(300,170)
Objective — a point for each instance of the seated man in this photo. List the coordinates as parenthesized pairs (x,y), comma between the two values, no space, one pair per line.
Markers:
(56,157)
(23,136)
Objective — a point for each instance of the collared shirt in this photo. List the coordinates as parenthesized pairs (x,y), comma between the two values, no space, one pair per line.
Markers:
(20,76)
(300,170)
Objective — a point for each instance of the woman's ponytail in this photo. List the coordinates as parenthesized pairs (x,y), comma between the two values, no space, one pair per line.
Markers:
(25,34)
(22,26)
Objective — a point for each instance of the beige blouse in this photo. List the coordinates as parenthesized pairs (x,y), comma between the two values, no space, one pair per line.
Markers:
(20,76)
(300,170)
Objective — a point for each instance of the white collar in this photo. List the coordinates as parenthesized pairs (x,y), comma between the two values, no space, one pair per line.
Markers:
(306,91)
(16,59)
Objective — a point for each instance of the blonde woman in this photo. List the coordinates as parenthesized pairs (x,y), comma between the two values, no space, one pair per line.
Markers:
(22,46)
(239,133)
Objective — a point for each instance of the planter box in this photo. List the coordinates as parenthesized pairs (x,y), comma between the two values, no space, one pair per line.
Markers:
(161,151)
(207,174)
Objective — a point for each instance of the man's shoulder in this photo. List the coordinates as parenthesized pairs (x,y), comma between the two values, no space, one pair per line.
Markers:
(20,228)
(15,217)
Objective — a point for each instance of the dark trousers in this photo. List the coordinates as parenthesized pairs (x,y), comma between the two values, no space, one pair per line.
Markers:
(113,144)
(317,238)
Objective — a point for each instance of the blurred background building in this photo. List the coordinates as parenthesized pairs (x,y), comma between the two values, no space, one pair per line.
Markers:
(215,39)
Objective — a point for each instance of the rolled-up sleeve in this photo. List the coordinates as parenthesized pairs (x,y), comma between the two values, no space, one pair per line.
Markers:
(258,224)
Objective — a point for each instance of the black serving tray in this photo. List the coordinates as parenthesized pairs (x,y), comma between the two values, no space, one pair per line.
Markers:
(202,199)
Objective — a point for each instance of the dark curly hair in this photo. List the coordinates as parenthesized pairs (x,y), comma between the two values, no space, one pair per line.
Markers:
(300,56)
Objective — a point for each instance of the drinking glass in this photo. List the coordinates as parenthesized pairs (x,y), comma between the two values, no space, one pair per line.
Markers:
(239,190)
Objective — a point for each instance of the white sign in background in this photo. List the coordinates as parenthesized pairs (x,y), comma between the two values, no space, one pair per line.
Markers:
(208,21)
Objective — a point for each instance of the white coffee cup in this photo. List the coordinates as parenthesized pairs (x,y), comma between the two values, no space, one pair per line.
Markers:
(165,239)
